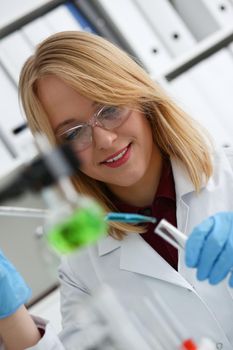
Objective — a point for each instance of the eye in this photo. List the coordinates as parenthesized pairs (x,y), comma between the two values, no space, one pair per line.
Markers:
(110,112)
(72,134)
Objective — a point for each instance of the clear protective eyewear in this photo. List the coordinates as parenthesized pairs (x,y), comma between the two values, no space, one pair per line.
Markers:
(107,117)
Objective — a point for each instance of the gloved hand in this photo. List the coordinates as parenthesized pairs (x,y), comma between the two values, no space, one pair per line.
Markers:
(13,290)
(210,248)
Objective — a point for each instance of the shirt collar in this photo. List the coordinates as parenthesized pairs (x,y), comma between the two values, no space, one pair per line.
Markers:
(166,189)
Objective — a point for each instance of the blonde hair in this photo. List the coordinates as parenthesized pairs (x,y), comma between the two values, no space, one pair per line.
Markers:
(104,73)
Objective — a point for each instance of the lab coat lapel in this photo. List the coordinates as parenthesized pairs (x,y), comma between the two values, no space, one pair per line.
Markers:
(139,257)
(107,244)
(183,186)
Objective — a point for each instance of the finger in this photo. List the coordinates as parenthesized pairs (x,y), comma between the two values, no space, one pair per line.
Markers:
(196,240)
(222,265)
(214,244)
(231,280)
(2,272)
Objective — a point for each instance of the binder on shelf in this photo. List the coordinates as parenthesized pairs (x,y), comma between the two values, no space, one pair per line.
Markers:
(61,19)
(80,18)
(230,47)
(197,17)
(10,116)
(213,77)
(7,144)
(13,10)
(64,17)
(137,32)
(221,11)
(20,145)
(36,31)
(188,97)
(7,161)
(95,17)
(168,25)
(14,50)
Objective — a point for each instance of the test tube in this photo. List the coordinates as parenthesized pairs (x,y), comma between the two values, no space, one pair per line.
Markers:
(171,234)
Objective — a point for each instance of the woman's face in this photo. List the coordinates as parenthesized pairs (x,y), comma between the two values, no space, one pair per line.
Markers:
(131,143)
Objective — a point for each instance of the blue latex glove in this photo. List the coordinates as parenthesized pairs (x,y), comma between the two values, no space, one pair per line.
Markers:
(210,248)
(13,290)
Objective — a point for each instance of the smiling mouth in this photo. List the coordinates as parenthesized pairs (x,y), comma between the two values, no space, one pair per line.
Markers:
(116,156)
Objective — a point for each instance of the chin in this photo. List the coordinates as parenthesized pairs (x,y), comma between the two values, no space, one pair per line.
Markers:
(127,181)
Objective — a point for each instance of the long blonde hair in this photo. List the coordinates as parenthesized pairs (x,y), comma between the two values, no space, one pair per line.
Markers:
(104,73)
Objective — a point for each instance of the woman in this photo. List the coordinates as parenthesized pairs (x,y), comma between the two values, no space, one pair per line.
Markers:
(141,153)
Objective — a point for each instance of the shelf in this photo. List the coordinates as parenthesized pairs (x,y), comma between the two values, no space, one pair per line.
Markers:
(201,51)
(25,12)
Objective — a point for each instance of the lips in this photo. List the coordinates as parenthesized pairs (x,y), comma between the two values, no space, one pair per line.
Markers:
(117,159)
(115,154)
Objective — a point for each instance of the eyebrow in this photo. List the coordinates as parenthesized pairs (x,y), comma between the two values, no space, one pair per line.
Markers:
(71,120)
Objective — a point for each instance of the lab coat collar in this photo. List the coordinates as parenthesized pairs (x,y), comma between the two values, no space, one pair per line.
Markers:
(107,244)
(139,257)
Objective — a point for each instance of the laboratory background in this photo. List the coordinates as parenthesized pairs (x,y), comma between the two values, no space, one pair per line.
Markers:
(185,45)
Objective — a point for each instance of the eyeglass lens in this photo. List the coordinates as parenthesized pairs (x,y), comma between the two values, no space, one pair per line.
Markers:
(108,117)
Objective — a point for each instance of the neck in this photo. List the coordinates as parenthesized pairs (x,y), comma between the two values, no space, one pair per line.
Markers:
(142,193)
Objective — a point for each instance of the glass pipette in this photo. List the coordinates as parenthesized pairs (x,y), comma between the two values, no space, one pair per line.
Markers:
(24,212)
(43,213)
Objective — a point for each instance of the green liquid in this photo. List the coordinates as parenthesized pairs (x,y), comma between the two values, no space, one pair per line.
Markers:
(83,227)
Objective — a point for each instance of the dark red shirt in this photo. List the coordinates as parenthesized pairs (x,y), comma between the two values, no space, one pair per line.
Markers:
(163,207)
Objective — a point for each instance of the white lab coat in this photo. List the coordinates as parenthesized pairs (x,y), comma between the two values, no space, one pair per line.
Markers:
(132,268)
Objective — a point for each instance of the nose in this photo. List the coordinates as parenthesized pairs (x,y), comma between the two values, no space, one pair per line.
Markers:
(102,138)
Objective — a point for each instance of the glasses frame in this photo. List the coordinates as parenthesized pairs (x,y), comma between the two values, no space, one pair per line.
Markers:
(92,122)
